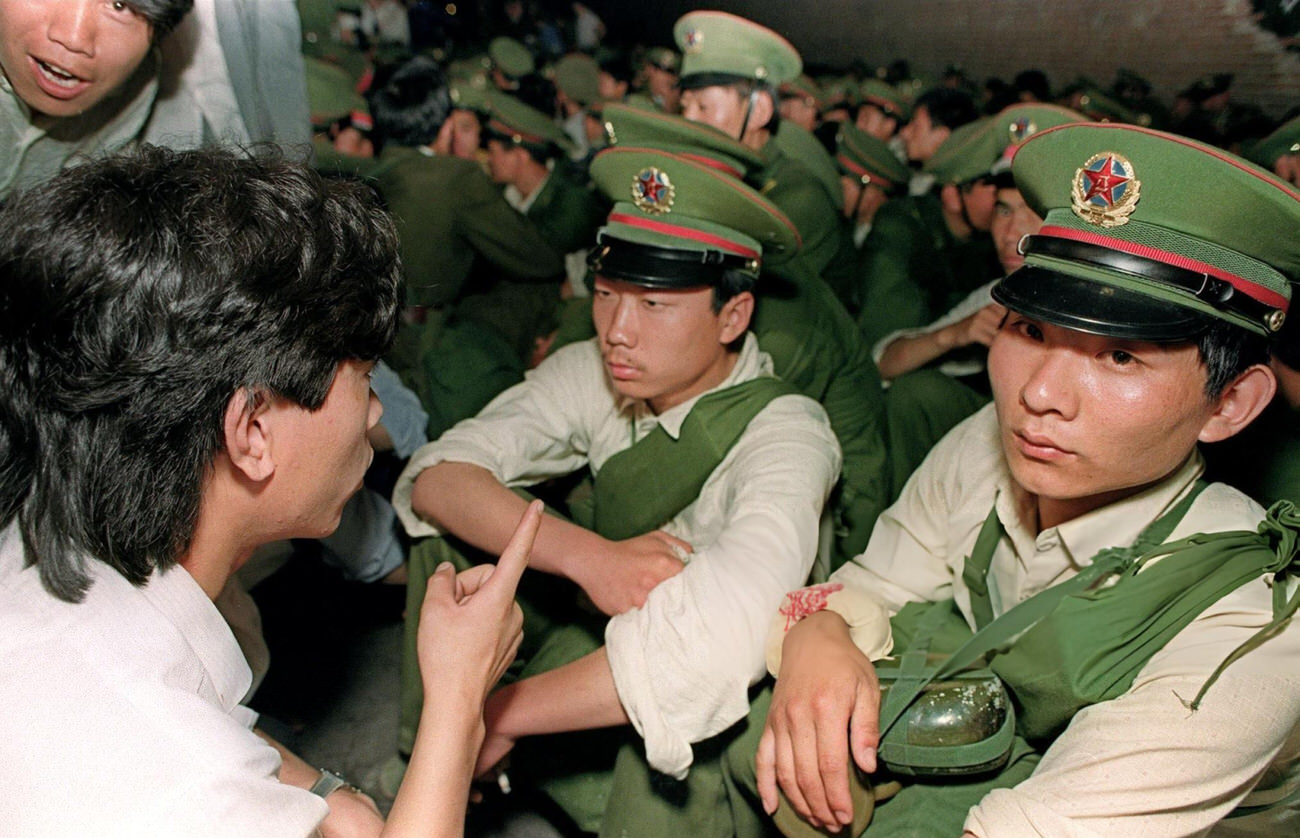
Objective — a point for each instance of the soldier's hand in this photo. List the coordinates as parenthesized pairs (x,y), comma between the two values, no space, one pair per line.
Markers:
(826,689)
(631,569)
(981,327)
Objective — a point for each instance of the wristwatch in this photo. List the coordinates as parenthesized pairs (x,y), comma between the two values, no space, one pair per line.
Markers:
(330,782)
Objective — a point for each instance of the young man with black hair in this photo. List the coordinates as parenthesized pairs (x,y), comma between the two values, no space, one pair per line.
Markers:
(1138,618)
(193,388)
(709,477)
(80,76)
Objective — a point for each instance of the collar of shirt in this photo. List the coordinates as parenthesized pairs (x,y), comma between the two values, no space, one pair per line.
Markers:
(181,601)
(522,202)
(1116,524)
(752,363)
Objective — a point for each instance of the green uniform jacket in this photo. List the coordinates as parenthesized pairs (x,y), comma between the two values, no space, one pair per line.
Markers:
(566,214)
(913,270)
(797,192)
(447,213)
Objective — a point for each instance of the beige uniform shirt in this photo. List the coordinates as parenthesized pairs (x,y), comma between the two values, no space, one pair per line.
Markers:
(683,663)
(1141,764)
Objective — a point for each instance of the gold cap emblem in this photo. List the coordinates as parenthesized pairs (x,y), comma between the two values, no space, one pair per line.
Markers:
(652,191)
(1105,190)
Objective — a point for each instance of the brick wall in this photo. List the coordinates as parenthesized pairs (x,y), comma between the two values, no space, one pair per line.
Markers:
(1170,42)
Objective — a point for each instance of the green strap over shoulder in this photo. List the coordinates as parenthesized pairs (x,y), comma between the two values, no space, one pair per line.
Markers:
(642,487)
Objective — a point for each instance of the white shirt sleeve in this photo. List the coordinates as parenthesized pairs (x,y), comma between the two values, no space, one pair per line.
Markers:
(683,664)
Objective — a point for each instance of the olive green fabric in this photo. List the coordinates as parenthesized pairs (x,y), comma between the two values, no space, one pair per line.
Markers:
(920,407)
(808,202)
(516,122)
(448,213)
(913,270)
(972,150)
(331,92)
(634,493)
(1285,140)
(860,155)
(800,144)
(722,43)
(511,57)
(627,125)
(578,77)
(888,98)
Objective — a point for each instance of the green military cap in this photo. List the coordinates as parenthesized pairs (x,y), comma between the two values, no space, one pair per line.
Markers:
(838,91)
(1285,140)
(628,125)
(331,92)
(512,121)
(470,94)
(664,58)
(885,96)
(511,57)
(718,47)
(679,224)
(862,156)
(578,76)
(1151,236)
(804,88)
(984,147)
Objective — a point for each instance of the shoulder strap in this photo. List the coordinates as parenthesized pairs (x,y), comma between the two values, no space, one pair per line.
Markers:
(644,486)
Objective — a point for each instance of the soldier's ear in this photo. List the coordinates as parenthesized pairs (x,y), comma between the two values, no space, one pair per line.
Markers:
(735,316)
(1239,404)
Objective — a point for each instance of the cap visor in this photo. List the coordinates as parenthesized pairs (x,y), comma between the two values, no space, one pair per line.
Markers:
(1096,308)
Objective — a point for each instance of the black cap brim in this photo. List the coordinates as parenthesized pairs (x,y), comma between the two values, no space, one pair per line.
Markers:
(1086,305)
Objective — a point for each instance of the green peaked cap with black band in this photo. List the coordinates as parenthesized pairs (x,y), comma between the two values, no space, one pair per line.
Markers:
(974,150)
(511,120)
(1151,236)
(885,96)
(678,223)
(722,45)
(860,155)
(626,125)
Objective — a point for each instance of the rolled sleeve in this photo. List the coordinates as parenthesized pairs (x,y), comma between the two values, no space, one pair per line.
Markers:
(684,662)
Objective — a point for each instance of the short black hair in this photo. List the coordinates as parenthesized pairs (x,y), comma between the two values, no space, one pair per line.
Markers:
(175,281)
(733,283)
(162,15)
(947,107)
(410,107)
(1227,351)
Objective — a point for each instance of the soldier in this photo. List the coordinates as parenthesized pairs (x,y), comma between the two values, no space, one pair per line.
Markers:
(730,70)
(709,479)
(1152,675)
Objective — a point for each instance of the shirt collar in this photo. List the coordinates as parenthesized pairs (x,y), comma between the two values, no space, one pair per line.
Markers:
(1117,524)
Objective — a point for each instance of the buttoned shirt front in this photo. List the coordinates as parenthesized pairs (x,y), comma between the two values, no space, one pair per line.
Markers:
(682,664)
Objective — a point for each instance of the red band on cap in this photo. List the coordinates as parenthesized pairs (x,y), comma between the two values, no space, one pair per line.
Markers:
(862,171)
(713,164)
(501,128)
(1245,286)
(683,233)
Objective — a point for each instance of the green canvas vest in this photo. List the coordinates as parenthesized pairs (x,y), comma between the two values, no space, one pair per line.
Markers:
(643,487)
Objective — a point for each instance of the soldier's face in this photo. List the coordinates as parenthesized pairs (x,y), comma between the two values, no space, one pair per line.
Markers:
(800,111)
(63,57)
(922,137)
(665,346)
(720,106)
(1012,221)
(503,161)
(872,120)
(1086,420)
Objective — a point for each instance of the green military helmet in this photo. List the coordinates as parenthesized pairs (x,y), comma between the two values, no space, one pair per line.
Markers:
(577,75)
(718,47)
(1151,236)
(677,223)
(511,121)
(628,125)
(866,158)
(888,98)
(985,146)
(511,57)
(1285,140)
